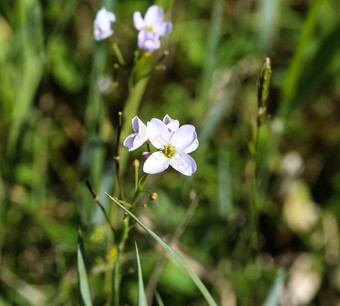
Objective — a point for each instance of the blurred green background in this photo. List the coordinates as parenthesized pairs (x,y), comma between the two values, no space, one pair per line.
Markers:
(59,98)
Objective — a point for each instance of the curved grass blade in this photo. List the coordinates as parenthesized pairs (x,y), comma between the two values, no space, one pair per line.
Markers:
(179,259)
(141,292)
(274,296)
(84,291)
(159,299)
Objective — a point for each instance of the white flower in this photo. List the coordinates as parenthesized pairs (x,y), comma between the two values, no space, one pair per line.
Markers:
(151,28)
(103,24)
(137,139)
(173,148)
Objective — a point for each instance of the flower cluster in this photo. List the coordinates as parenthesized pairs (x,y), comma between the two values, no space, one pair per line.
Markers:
(172,141)
(150,28)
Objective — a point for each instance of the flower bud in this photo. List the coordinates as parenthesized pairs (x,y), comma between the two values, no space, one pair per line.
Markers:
(153,196)
(136,163)
(145,154)
(263,91)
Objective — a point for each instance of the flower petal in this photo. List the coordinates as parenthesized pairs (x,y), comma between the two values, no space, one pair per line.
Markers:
(167,119)
(192,147)
(183,163)
(137,124)
(184,137)
(140,128)
(163,29)
(159,135)
(138,21)
(154,16)
(148,41)
(128,142)
(156,163)
(171,124)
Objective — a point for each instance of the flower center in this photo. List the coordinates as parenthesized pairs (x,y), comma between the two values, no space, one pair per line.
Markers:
(149,28)
(169,151)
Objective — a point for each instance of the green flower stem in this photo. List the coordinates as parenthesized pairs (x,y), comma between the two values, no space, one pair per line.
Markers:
(140,189)
(126,221)
(117,157)
(118,54)
(137,88)
(147,191)
(124,236)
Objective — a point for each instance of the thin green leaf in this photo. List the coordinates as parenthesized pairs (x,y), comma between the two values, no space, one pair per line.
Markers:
(159,299)
(84,291)
(179,259)
(298,63)
(269,11)
(114,299)
(141,292)
(210,56)
(274,296)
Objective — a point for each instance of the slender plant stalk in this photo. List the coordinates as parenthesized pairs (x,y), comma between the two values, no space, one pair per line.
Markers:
(119,55)
(117,157)
(96,199)
(121,243)
(262,103)
(137,88)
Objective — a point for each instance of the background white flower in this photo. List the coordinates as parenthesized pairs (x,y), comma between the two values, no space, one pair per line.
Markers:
(151,28)
(103,24)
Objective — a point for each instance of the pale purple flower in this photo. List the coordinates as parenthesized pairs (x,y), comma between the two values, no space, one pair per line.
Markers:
(103,24)
(139,137)
(151,28)
(173,148)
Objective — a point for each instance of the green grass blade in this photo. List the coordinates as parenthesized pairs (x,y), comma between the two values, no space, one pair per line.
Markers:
(179,259)
(298,63)
(269,11)
(317,69)
(114,300)
(210,57)
(274,296)
(84,291)
(141,292)
(159,299)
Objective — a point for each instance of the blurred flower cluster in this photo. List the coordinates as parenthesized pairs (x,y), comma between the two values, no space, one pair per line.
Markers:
(150,28)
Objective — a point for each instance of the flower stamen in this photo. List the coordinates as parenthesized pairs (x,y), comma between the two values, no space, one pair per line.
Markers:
(169,151)
(149,28)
